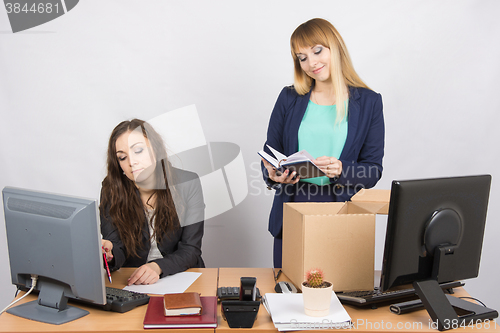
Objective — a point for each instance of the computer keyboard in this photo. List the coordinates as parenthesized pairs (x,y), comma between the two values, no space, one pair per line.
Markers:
(119,300)
(373,297)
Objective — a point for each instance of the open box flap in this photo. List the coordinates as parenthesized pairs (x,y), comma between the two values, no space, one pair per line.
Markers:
(376,201)
(316,208)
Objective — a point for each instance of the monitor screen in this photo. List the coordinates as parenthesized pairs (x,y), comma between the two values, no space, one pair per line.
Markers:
(55,237)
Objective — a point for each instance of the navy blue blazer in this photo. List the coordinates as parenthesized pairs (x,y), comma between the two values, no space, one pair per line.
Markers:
(361,157)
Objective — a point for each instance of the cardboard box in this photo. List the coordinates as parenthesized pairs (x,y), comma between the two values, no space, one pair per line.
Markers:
(337,237)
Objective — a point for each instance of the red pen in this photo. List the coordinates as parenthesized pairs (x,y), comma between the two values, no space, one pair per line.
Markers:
(107,267)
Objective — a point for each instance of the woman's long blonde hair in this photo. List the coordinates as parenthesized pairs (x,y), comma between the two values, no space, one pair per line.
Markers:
(320,31)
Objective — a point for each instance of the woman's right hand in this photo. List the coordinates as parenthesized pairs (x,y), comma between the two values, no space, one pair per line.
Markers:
(278,177)
(146,274)
(107,248)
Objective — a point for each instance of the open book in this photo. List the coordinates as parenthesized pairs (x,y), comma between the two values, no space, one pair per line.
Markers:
(301,162)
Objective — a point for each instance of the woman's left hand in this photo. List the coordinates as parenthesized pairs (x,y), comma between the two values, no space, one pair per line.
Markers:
(331,166)
(146,274)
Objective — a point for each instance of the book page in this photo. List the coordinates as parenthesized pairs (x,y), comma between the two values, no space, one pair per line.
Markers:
(300,156)
(279,156)
(269,158)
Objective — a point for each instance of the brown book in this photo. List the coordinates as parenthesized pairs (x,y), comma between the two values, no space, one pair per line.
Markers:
(182,304)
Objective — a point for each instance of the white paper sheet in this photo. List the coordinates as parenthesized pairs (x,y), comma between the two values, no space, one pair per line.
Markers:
(287,313)
(177,283)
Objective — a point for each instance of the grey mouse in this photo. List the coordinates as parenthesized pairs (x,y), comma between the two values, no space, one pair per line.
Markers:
(285,287)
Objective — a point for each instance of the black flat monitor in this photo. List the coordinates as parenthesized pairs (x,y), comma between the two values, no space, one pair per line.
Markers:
(55,237)
(435,232)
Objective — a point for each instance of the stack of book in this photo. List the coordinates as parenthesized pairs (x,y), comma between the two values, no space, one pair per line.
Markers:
(182,310)
(287,313)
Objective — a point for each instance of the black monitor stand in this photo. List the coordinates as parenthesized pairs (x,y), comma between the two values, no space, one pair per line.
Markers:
(447,311)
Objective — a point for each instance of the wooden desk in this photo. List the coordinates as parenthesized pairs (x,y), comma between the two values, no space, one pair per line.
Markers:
(107,321)
(365,320)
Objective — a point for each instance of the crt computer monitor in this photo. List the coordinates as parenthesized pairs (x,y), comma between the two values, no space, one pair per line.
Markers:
(57,238)
(435,231)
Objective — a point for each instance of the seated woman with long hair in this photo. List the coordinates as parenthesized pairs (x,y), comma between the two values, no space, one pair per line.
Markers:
(152,214)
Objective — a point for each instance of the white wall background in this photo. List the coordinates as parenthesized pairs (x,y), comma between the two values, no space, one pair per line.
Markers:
(64,86)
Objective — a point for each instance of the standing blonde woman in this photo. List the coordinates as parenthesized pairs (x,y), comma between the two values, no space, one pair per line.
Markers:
(331,113)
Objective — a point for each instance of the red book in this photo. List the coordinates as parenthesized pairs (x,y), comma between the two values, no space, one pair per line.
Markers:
(155,317)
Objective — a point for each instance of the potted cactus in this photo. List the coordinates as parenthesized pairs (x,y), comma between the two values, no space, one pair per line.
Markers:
(317,293)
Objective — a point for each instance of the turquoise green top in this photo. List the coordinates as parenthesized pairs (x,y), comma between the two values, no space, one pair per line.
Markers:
(320,136)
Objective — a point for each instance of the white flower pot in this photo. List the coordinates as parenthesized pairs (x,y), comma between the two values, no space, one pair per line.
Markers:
(317,300)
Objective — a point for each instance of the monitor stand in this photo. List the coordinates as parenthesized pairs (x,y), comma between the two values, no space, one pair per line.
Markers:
(51,307)
(450,312)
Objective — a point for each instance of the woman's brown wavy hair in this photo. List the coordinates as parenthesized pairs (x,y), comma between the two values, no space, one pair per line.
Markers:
(120,200)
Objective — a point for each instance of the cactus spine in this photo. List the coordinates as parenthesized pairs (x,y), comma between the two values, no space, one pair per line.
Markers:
(315,278)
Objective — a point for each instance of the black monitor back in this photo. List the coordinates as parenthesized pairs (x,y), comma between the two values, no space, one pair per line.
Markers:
(426,212)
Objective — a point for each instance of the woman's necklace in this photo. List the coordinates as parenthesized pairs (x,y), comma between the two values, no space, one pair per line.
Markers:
(315,100)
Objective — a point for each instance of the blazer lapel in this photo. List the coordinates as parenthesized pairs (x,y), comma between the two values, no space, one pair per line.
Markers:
(352,122)
(300,111)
